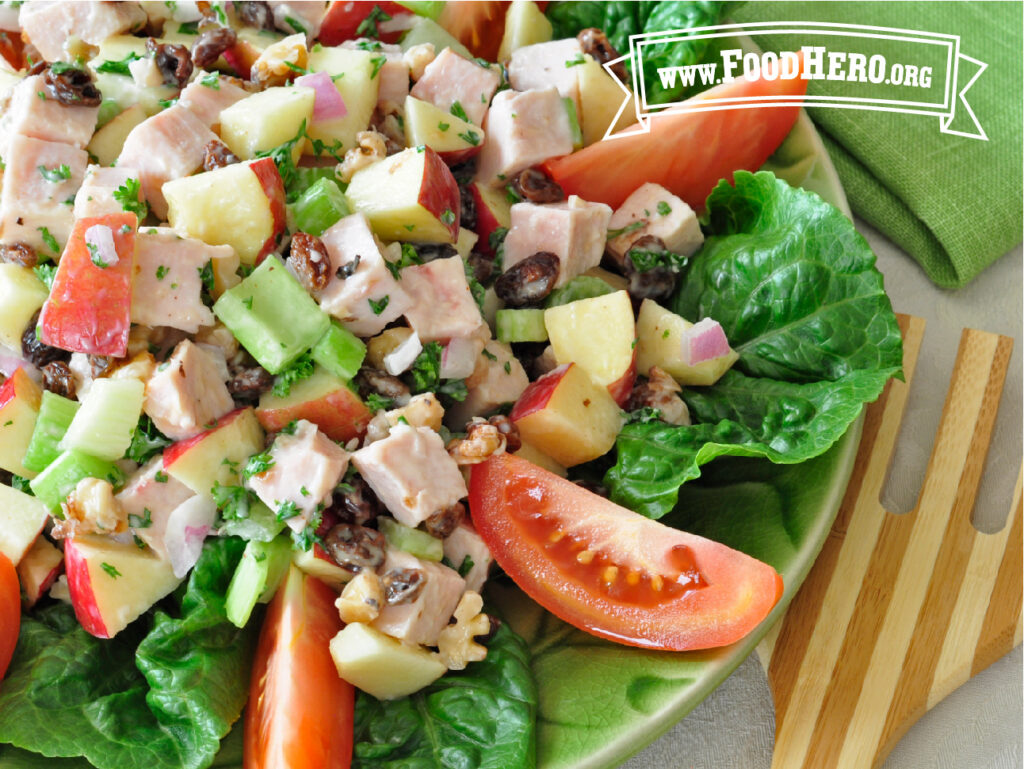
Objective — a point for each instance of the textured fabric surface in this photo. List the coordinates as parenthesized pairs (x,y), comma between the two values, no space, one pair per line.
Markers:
(953,203)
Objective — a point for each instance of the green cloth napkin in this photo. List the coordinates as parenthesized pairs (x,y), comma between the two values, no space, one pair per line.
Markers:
(953,203)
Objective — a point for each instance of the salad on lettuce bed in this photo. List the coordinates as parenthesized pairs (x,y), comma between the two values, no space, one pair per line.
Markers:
(283,286)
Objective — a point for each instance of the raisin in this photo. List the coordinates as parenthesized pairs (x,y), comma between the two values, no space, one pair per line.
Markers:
(37,353)
(72,87)
(356,503)
(217,155)
(310,261)
(596,43)
(255,14)
(173,61)
(529,281)
(250,383)
(402,585)
(58,379)
(355,548)
(21,254)
(211,44)
(442,523)
(534,185)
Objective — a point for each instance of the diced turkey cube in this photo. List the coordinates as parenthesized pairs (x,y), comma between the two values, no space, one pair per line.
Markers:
(33,206)
(167,287)
(41,117)
(411,473)
(662,214)
(443,307)
(96,195)
(307,465)
(393,76)
(207,97)
(420,621)
(167,146)
(50,26)
(462,544)
(369,298)
(574,230)
(498,378)
(543,65)
(522,130)
(148,499)
(451,78)
(186,393)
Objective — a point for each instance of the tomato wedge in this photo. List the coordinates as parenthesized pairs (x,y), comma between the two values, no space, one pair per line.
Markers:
(685,152)
(477,24)
(10,612)
(610,571)
(300,713)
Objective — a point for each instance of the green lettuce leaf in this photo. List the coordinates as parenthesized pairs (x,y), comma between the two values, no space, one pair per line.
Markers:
(162,693)
(483,717)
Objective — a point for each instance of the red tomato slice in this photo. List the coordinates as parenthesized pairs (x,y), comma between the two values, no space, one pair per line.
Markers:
(10,612)
(343,18)
(300,712)
(610,571)
(477,24)
(89,309)
(685,152)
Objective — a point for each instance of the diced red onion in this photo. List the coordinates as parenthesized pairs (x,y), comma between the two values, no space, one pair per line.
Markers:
(459,358)
(187,527)
(100,241)
(705,340)
(327,103)
(402,357)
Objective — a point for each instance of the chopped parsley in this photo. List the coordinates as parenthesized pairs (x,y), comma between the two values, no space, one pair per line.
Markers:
(466,566)
(257,464)
(645,260)
(141,522)
(233,502)
(664,208)
(475,287)
(409,257)
(210,80)
(448,217)
(457,110)
(94,256)
(288,510)
(378,62)
(376,402)
(380,305)
(489,355)
(55,175)
(119,66)
(627,229)
(295,24)
(160,476)
(247,302)
(470,137)
(285,162)
(301,369)
(110,570)
(443,126)
(575,62)
(45,273)
(291,427)
(147,440)
(206,276)
(128,195)
(60,67)
(161,272)
(511,195)
(508,367)
(368,26)
(644,416)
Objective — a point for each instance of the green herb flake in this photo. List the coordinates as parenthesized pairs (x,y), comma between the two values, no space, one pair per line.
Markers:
(119,66)
(110,570)
(247,302)
(257,465)
(55,175)
(368,26)
(128,195)
(210,80)
(45,273)
(376,402)
(443,126)
(448,217)
(161,272)
(489,355)
(301,369)
(379,306)
(470,137)
(457,110)
(143,521)
(575,62)
(160,476)
(664,208)
(288,510)
(378,62)
(632,227)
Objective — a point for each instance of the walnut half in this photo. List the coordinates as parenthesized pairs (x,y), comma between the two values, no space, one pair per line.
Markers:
(455,643)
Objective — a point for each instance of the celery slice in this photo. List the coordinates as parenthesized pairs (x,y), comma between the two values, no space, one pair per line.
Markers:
(256,577)
(59,479)
(580,287)
(104,425)
(55,415)
(320,206)
(520,326)
(340,351)
(413,541)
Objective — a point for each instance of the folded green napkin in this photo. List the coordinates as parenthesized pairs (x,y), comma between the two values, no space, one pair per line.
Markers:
(953,203)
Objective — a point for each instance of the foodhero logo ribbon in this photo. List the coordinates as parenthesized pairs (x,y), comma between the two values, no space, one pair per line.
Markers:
(850,66)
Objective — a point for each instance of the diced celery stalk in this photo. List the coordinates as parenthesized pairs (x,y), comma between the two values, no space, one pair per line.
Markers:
(580,287)
(320,206)
(55,415)
(272,316)
(520,326)
(574,123)
(59,479)
(307,177)
(412,541)
(429,8)
(256,577)
(426,30)
(109,109)
(340,351)
(106,421)
(261,524)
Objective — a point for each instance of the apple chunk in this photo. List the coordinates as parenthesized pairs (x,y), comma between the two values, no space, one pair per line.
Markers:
(598,334)
(215,456)
(454,139)
(22,518)
(410,196)
(19,406)
(660,337)
(324,399)
(493,212)
(38,570)
(567,416)
(113,583)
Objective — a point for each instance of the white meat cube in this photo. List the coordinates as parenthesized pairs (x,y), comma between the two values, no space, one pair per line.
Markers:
(574,230)
(148,498)
(522,130)
(544,65)
(167,146)
(96,195)
(186,393)
(307,465)
(206,98)
(370,298)
(393,76)
(411,473)
(167,286)
(422,620)
(662,214)
(465,543)
(498,378)
(29,114)
(443,307)
(51,25)
(30,202)
(451,78)
(302,16)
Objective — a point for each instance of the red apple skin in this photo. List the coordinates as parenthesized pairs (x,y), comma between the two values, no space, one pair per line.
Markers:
(340,414)
(439,191)
(240,57)
(19,385)
(623,386)
(536,396)
(175,451)
(80,587)
(487,219)
(270,179)
(35,562)
(343,18)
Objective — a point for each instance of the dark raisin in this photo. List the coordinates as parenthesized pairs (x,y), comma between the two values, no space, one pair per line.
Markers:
(310,261)
(40,66)
(535,186)
(173,61)
(428,252)
(468,204)
(356,502)
(528,281)
(348,269)
(211,44)
(99,365)
(596,43)
(73,87)
(373,380)
(33,349)
(442,523)
(482,266)
(58,379)
(657,283)
(255,14)
(217,155)
(402,585)
(507,428)
(21,254)
(250,383)
(492,628)
(355,548)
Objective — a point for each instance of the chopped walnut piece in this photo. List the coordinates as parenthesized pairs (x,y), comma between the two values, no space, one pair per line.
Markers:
(372,147)
(455,644)
(362,598)
(418,57)
(275,65)
(482,440)
(91,507)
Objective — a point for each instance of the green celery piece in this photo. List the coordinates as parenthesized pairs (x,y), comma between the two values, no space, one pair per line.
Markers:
(520,326)
(59,479)
(257,576)
(413,541)
(574,123)
(426,30)
(55,415)
(103,427)
(260,524)
(109,109)
(272,316)
(429,8)
(340,351)
(580,287)
(320,206)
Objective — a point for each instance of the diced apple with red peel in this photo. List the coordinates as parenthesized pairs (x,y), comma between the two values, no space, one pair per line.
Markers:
(344,17)
(38,570)
(599,335)
(216,455)
(660,338)
(19,407)
(493,212)
(22,518)
(113,583)
(240,205)
(317,563)
(410,196)
(324,399)
(567,416)
(455,140)
(249,44)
